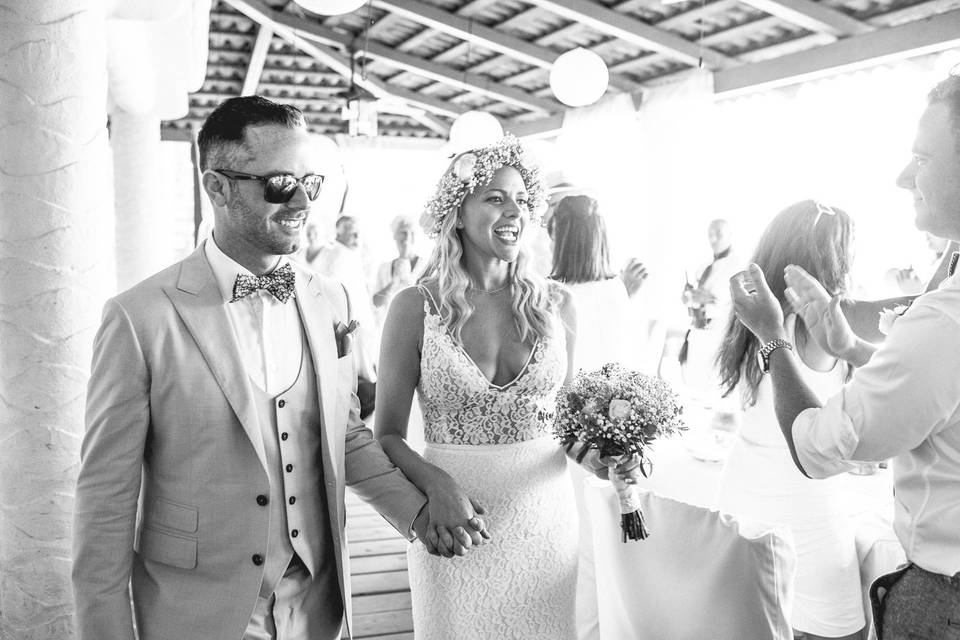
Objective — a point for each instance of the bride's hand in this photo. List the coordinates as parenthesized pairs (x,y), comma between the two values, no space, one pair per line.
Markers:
(590,461)
(629,469)
(455,520)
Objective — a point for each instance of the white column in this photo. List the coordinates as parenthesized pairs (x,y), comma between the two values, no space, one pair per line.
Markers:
(55,257)
(143,234)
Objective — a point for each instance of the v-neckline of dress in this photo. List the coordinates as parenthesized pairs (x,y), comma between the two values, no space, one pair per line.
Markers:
(490,383)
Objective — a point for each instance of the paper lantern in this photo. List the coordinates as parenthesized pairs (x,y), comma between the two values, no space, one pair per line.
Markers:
(331,7)
(474,129)
(579,77)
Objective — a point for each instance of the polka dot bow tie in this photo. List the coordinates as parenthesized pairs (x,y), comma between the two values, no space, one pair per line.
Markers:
(279,283)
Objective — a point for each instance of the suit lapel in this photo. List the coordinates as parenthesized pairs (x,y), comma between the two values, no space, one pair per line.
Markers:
(200,304)
(318,324)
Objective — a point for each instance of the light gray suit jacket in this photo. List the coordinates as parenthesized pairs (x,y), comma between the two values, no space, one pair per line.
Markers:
(173,461)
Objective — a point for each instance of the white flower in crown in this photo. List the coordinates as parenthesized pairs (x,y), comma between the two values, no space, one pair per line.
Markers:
(890,316)
(619,409)
(464,167)
(476,168)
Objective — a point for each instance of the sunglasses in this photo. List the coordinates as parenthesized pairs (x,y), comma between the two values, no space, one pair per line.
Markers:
(279,188)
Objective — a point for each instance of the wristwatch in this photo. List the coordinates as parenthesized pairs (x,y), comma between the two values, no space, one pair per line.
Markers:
(763,355)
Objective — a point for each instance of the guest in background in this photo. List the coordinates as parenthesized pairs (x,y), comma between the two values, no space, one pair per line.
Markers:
(342,260)
(581,260)
(402,271)
(606,333)
(902,402)
(760,482)
(310,252)
(708,304)
(913,281)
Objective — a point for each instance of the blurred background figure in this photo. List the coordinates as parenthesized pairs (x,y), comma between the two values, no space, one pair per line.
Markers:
(308,255)
(913,280)
(343,260)
(402,271)
(708,304)
(607,331)
(760,483)
(581,260)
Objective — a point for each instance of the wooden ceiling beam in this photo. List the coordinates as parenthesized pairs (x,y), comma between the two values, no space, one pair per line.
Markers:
(464,80)
(469,31)
(641,34)
(813,16)
(298,30)
(257,59)
(303,34)
(548,127)
(936,33)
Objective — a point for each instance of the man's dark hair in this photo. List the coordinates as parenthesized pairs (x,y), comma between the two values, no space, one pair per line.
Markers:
(947,92)
(222,135)
(344,219)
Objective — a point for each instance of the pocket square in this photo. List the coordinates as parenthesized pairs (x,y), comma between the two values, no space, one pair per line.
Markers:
(344,333)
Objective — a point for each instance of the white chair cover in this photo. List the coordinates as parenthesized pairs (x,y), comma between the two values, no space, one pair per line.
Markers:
(700,574)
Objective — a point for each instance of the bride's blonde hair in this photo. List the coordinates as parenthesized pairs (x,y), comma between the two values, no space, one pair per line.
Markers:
(534,299)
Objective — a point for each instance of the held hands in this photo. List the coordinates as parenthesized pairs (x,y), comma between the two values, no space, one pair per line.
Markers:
(451,522)
(755,305)
(820,313)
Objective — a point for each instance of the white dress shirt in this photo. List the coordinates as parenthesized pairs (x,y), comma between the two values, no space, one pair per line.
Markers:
(904,404)
(268,331)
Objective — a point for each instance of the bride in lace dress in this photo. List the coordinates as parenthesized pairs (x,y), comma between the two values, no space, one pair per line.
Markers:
(487,345)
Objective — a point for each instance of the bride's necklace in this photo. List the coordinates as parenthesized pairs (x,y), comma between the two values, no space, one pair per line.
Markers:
(490,291)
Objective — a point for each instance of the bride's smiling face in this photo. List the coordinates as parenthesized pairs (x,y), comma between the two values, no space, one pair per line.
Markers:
(493,218)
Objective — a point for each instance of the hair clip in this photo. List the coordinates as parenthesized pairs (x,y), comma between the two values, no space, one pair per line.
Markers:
(822,210)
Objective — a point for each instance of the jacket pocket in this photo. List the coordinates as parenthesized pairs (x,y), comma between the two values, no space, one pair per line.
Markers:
(171,515)
(167,548)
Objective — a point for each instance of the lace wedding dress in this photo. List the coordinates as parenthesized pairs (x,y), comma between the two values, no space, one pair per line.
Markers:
(496,442)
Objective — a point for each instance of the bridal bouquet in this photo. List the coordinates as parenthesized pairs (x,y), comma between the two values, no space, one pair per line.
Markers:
(618,412)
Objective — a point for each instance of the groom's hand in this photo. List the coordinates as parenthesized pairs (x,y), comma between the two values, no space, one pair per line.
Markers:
(421,527)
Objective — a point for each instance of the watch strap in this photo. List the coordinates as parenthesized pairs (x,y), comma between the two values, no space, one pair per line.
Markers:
(768,348)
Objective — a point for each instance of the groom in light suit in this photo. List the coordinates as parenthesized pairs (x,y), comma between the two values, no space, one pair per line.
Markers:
(222,421)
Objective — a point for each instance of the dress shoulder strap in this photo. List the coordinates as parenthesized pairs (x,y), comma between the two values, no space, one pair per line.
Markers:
(425,292)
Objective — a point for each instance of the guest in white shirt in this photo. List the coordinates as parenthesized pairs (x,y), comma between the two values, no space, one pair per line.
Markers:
(708,304)
(404,270)
(342,260)
(903,403)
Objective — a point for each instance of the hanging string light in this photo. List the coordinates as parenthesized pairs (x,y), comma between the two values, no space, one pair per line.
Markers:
(330,7)
(579,77)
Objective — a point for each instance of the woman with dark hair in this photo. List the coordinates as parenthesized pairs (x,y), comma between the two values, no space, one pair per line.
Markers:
(581,260)
(760,481)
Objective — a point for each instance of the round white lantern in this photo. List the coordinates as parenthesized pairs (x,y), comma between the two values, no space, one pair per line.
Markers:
(579,77)
(331,7)
(474,129)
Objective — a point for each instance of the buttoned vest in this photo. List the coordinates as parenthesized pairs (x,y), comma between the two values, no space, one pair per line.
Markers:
(290,425)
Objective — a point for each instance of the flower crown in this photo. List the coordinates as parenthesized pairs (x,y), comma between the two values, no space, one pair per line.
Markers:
(474,169)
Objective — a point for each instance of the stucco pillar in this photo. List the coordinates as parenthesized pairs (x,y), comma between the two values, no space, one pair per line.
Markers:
(143,234)
(55,257)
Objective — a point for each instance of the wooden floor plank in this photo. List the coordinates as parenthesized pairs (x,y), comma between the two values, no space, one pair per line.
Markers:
(377,547)
(378,567)
(380,623)
(380,602)
(369,583)
(377,564)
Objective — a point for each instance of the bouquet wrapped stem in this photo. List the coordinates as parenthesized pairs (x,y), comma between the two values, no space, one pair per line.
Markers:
(618,413)
(631,518)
